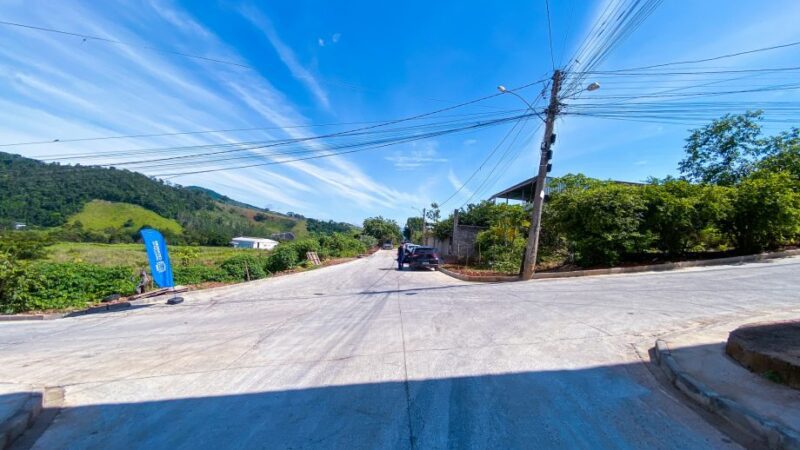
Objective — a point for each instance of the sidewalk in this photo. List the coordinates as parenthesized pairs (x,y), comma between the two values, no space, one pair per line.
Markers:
(701,355)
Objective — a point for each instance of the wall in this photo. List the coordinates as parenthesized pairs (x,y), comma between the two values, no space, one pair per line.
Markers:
(460,247)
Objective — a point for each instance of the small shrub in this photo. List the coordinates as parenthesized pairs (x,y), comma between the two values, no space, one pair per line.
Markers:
(340,245)
(302,246)
(245,267)
(200,274)
(45,285)
(282,257)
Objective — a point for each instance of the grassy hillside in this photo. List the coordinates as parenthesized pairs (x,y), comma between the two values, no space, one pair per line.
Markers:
(99,215)
(134,255)
(52,195)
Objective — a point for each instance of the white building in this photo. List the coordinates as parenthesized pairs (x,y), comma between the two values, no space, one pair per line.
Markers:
(252,242)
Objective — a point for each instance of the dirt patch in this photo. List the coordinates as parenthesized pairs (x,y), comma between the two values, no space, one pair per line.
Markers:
(769,349)
(476,272)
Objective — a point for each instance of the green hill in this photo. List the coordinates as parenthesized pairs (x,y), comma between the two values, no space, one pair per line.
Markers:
(51,195)
(98,215)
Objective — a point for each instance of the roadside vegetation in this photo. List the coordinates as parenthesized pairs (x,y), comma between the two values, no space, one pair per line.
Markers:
(739,193)
(37,273)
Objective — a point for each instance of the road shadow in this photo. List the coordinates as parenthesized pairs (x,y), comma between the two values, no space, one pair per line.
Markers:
(107,310)
(619,406)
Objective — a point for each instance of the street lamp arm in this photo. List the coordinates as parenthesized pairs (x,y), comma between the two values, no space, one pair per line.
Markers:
(523,100)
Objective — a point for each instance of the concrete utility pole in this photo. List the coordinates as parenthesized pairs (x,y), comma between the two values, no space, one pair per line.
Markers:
(424,241)
(532,248)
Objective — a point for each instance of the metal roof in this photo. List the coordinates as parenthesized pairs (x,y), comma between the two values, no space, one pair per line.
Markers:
(253,239)
(524,190)
(521,191)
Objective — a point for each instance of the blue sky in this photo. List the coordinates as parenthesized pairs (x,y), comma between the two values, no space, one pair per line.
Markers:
(341,62)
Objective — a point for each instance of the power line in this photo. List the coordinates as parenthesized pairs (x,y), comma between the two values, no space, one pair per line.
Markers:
(330,154)
(714,58)
(489,156)
(86,37)
(550,34)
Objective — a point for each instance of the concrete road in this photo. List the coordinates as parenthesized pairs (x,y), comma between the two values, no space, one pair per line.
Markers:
(362,356)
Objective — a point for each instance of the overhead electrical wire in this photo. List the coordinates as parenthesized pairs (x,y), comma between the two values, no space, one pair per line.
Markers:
(550,34)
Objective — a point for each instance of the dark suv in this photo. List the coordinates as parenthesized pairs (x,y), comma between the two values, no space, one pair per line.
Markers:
(423,257)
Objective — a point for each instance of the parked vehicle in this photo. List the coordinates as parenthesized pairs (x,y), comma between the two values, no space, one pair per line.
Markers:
(387,246)
(423,258)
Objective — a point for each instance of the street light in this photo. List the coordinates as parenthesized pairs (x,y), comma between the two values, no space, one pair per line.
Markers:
(504,90)
(593,87)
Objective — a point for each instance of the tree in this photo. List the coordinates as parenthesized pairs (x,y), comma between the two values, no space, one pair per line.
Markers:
(433,214)
(724,151)
(382,229)
(765,211)
(413,229)
(783,154)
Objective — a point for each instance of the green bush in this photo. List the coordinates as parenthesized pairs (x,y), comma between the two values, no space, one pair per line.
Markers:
(246,267)
(684,217)
(502,245)
(45,285)
(10,274)
(282,257)
(368,241)
(765,211)
(24,244)
(200,274)
(340,245)
(603,222)
(302,246)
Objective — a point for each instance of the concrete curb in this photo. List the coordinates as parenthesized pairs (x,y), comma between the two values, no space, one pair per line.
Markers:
(669,266)
(51,316)
(22,419)
(635,269)
(478,278)
(777,436)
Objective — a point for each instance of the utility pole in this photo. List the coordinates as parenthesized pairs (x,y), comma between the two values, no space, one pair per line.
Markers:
(532,248)
(423,227)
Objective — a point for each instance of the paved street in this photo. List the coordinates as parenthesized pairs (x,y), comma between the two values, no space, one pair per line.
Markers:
(362,356)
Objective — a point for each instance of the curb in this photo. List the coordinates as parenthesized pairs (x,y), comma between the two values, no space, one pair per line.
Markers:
(52,316)
(479,278)
(635,269)
(669,266)
(13,428)
(776,436)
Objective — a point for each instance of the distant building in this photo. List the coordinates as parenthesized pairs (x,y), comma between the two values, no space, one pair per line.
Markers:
(253,242)
(283,236)
(19,225)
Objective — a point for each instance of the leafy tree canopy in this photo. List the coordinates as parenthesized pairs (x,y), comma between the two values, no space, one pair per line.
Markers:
(382,229)
(724,151)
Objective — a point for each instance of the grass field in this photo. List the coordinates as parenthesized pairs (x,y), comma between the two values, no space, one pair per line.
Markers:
(132,255)
(99,215)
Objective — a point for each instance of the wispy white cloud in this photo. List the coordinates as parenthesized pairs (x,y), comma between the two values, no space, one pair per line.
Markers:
(457,184)
(420,155)
(66,89)
(286,54)
(470,141)
(321,42)
(335,38)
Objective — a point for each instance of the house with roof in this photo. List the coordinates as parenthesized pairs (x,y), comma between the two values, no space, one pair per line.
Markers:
(253,242)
